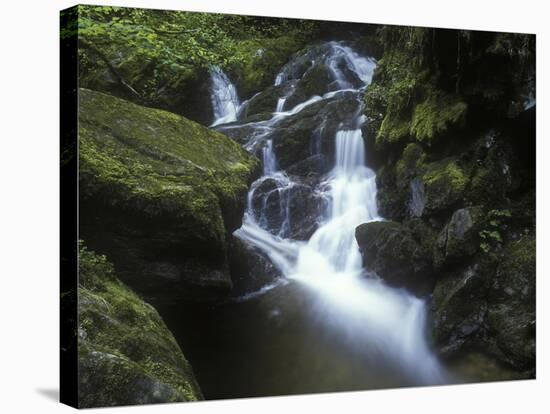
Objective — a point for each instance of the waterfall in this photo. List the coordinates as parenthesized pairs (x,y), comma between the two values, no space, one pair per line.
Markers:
(280,104)
(225,102)
(269,160)
(385,321)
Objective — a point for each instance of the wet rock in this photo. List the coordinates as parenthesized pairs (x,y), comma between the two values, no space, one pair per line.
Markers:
(316,81)
(263,102)
(289,210)
(312,130)
(251,269)
(311,167)
(305,208)
(401,193)
(459,308)
(399,254)
(511,314)
(460,236)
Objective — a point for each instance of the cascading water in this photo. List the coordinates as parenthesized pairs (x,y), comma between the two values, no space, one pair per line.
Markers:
(383,322)
(225,102)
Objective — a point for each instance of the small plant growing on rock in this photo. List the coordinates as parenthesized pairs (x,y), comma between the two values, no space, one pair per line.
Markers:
(491,238)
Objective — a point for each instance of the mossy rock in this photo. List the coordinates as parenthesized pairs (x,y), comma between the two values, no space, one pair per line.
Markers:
(401,194)
(264,58)
(126,354)
(159,193)
(445,182)
(512,312)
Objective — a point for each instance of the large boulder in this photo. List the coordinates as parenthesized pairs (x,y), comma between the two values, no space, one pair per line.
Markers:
(126,354)
(511,316)
(159,194)
(460,236)
(460,308)
(399,254)
(445,182)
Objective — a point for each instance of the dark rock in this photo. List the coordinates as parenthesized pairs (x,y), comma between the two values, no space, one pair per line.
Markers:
(312,130)
(460,237)
(399,254)
(239,133)
(511,316)
(316,81)
(290,211)
(264,102)
(311,167)
(459,308)
(251,269)
(401,193)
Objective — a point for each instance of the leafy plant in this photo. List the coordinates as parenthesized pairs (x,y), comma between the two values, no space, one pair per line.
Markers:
(491,237)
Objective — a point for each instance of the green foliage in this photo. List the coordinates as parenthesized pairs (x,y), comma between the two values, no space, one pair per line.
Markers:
(491,235)
(153,48)
(91,265)
(433,116)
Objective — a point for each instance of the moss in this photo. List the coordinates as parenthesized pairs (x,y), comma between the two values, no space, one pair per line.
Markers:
(396,85)
(261,59)
(393,129)
(413,157)
(127,355)
(445,182)
(433,117)
(156,164)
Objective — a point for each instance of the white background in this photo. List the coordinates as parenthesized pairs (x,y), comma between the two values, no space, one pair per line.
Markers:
(29,235)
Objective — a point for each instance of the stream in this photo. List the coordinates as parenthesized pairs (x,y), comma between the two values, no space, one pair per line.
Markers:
(324,324)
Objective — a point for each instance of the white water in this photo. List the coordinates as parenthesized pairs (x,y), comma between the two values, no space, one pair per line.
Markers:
(225,102)
(280,104)
(383,320)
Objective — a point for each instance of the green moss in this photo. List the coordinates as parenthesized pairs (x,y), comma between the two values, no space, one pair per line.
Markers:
(157,164)
(127,355)
(433,117)
(397,83)
(449,172)
(413,157)
(445,182)
(393,129)
(259,61)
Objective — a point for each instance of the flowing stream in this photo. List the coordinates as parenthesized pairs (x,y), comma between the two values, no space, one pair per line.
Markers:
(326,325)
